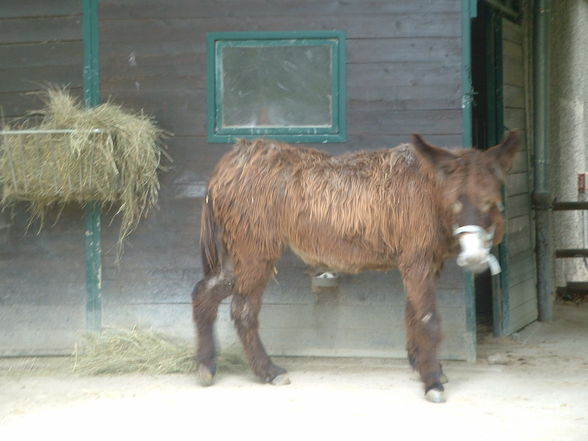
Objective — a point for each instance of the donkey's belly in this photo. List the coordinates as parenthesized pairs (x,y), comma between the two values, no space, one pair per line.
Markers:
(348,259)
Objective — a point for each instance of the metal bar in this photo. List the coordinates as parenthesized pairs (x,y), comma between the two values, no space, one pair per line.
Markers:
(93,250)
(48,132)
(571,252)
(542,197)
(570,205)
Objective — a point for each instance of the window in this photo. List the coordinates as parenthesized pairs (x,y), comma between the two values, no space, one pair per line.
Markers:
(283,85)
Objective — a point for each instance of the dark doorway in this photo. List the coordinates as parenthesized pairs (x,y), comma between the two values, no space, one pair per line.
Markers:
(488,127)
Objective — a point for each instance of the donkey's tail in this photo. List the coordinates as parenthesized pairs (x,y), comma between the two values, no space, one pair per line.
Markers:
(208,239)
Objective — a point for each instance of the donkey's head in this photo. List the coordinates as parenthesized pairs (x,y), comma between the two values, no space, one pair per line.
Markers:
(470,182)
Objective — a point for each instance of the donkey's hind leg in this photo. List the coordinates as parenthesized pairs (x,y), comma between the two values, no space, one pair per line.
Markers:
(245,309)
(206,296)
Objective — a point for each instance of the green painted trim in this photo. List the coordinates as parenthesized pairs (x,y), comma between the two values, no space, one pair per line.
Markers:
(92,239)
(469,11)
(337,132)
(91,53)
(93,253)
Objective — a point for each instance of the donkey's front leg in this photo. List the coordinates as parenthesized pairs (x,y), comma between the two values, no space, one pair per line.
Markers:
(424,329)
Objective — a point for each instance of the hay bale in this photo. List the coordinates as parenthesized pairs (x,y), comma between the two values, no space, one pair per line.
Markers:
(107,154)
(115,352)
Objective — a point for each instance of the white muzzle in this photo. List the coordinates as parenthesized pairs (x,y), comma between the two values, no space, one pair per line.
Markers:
(475,243)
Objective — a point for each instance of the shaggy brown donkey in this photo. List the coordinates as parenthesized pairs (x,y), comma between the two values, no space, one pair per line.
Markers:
(408,207)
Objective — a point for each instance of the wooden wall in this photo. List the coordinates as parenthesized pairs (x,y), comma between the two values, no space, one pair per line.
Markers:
(404,61)
(41,276)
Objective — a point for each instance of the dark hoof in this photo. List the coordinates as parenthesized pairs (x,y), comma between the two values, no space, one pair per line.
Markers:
(435,396)
(205,376)
(443,379)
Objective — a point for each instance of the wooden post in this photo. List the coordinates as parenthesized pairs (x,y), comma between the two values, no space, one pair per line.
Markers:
(93,251)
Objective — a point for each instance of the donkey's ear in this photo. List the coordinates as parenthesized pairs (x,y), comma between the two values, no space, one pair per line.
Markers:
(504,153)
(438,158)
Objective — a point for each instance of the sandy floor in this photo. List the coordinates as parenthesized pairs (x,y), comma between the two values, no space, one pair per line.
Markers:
(530,387)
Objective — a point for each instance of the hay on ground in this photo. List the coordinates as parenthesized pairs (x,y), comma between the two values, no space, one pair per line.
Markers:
(140,351)
(107,154)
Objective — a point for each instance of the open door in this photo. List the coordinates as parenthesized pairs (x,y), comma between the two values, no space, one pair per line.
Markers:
(506,302)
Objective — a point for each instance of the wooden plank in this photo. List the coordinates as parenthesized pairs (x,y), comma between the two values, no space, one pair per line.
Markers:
(522,315)
(513,51)
(513,72)
(512,32)
(514,96)
(517,183)
(13,80)
(39,8)
(418,97)
(381,50)
(520,163)
(522,268)
(519,205)
(443,50)
(421,73)
(396,122)
(523,292)
(41,29)
(515,118)
(222,8)
(518,224)
(407,25)
(17,104)
(520,241)
(41,55)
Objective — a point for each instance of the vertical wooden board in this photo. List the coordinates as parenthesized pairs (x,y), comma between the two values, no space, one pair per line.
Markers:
(519,244)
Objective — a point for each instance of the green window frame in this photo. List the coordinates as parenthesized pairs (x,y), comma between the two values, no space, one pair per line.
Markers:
(334,130)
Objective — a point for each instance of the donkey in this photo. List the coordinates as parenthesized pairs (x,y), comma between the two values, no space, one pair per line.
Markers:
(408,207)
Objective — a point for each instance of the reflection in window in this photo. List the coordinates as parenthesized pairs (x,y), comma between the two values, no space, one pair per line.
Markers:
(276,86)
(279,85)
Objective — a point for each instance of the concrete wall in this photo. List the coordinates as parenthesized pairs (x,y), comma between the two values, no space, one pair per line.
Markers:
(569,128)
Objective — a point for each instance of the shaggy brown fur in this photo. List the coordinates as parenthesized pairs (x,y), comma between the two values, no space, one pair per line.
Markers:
(368,210)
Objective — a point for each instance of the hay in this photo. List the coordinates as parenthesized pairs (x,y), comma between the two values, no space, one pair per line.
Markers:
(114,352)
(111,157)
